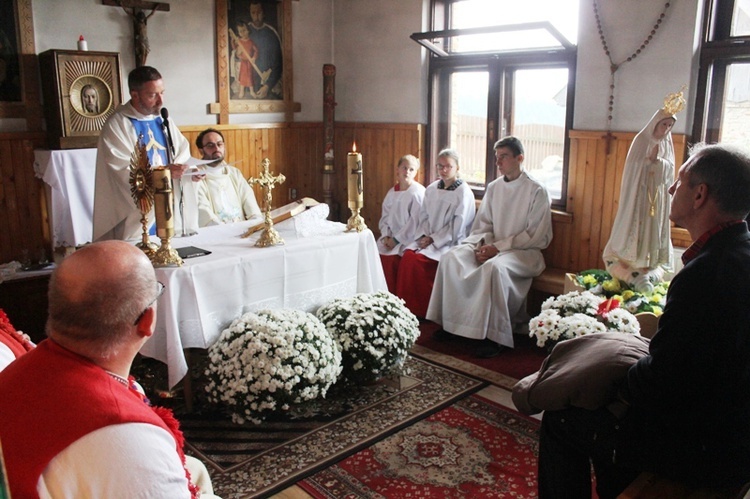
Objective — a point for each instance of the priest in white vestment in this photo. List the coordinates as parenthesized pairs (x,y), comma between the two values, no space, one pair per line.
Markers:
(399,217)
(639,250)
(481,285)
(224,196)
(116,215)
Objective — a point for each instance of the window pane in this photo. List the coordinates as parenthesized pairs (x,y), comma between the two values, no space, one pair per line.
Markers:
(468,123)
(563,14)
(736,107)
(539,121)
(741,18)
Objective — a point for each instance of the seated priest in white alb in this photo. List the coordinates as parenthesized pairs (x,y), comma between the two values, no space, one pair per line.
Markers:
(224,196)
(142,118)
(481,285)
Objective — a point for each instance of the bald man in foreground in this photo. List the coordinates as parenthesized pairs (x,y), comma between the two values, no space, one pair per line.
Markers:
(73,422)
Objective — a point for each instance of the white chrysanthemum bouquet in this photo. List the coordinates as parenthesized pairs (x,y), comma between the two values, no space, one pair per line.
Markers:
(577,314)
(267,361)
(374,331)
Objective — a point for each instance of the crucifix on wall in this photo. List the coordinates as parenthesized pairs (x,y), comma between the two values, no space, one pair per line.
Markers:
(140,11)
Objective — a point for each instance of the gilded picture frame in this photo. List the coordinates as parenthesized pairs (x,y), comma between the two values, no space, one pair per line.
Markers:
(19,87)
(254,58)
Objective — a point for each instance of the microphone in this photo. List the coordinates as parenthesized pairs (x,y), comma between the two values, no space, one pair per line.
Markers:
(165,118)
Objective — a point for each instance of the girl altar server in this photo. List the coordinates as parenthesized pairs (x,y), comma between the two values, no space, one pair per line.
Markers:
(400,216)
(445,220)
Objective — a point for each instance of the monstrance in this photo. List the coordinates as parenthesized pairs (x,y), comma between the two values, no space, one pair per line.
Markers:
(142,190)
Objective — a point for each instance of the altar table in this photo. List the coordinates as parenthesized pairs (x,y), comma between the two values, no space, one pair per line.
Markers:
(318,262)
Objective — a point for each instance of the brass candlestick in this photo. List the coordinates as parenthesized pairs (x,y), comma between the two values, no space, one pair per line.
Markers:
(165,256)
(142,190)
(269,237)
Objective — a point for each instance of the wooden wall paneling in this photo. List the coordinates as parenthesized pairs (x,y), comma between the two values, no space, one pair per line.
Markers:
(7,202)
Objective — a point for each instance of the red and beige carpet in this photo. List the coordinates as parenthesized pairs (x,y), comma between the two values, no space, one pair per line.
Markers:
(474,448)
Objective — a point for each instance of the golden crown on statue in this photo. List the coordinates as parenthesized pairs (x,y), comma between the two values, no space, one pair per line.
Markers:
(674,103)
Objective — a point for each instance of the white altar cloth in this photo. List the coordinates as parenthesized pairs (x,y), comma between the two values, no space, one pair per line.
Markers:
(69,175)
(316,264)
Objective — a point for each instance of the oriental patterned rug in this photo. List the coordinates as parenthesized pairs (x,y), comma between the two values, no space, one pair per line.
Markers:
(474,448)
(255,461)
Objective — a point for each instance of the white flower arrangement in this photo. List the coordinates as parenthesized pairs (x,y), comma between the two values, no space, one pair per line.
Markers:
(577,314)
(374,331)
(264,362)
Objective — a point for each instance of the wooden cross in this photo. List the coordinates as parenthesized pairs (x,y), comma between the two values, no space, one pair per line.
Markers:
(137,11)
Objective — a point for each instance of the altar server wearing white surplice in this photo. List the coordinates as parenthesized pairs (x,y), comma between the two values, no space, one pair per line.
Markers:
(445,219)
(481,285)
(116,215)
(224,196)
(399,218)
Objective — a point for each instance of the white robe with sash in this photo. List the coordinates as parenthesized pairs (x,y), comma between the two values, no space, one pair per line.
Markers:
(224,196)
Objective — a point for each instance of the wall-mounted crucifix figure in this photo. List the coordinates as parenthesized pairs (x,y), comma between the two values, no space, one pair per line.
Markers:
(138,10)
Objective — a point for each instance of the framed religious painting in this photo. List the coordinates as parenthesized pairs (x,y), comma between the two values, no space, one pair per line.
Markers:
(81,90)
(254,57)
(19,95)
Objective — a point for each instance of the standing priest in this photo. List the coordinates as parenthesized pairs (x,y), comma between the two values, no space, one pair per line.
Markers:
(116,215)
(481,285)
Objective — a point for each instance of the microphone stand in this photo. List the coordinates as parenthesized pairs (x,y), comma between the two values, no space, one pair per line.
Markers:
(170,159)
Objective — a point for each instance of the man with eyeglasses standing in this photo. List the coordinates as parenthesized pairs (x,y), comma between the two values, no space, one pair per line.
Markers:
(481,285)
(224,196)
(73,421)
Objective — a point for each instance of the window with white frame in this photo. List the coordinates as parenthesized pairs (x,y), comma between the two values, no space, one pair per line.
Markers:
(503,67)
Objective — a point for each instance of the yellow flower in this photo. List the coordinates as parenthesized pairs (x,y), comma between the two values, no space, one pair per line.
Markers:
(656,298)
(627,294)
(589,280)
(611,286)
(657,310)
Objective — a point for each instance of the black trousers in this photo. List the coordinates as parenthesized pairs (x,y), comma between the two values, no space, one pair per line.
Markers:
(570,442)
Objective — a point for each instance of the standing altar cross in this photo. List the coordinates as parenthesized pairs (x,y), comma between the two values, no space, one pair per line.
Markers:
(269,237)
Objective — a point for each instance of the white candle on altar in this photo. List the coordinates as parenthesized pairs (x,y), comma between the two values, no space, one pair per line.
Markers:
(356,182)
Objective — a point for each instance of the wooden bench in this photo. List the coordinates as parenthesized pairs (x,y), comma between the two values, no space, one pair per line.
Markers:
(552,281)
(650,486)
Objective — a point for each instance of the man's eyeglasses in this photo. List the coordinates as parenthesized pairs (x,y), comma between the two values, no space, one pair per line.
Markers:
(161,287)
(213,145)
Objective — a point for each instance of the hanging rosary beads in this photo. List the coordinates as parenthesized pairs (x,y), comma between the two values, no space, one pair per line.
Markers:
(614,67)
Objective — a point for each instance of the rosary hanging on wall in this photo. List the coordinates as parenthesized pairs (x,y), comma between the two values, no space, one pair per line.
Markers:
(613,67)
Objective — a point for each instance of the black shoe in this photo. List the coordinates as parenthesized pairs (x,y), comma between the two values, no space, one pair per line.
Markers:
(442,335)
(489,349)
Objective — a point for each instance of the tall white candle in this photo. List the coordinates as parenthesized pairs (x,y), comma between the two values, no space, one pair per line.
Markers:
(356,181)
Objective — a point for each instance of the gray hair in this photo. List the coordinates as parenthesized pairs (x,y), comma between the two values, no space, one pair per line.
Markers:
(725,169)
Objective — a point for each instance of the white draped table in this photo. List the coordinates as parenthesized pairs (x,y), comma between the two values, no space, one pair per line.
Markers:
(318,262)
(69,175)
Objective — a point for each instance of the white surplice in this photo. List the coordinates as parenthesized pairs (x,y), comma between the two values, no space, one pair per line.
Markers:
(446,216)
(481,301)
(400,217)
(116,215)
(224,196)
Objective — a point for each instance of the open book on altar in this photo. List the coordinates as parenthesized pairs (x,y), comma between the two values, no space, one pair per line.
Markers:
(284,213)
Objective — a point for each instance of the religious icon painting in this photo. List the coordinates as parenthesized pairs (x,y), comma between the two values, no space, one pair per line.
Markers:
(254,57)
(81,90)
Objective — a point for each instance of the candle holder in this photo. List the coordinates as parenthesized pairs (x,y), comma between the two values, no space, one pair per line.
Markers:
(269,237)
(142,191)
(355,222)
(165,256)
